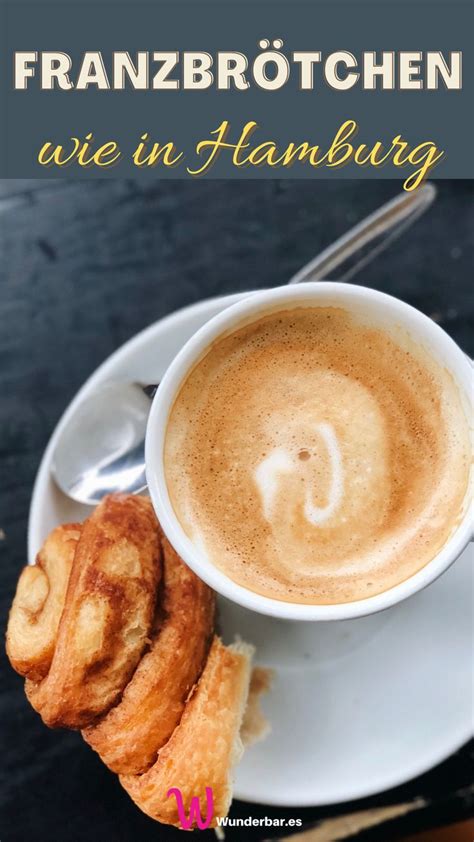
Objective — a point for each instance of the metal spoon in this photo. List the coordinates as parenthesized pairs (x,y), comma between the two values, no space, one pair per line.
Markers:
(101,448)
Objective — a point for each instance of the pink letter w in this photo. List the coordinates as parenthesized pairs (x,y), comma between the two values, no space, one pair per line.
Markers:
(194,809)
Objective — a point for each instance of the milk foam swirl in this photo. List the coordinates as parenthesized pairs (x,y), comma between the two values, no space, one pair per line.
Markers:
(315,459)
(270,473)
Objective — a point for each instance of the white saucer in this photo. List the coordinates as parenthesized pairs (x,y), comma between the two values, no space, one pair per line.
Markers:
(357,707)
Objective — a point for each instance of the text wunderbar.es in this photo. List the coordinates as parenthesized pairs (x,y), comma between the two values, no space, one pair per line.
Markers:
(271,69)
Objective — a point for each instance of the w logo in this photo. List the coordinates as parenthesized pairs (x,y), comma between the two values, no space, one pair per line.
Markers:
(194,818)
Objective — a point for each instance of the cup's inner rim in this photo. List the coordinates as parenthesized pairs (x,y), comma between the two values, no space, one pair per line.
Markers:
(329,295)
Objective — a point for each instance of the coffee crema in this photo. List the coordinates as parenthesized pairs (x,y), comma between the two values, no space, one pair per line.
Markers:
(314,459)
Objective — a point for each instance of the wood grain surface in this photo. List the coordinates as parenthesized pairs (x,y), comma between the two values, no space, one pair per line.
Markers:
(84,266)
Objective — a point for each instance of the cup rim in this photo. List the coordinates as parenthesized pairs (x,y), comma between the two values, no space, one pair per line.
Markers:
(190,353)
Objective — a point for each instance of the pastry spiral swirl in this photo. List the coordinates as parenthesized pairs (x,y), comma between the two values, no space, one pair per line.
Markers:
(107,615)
(38,604)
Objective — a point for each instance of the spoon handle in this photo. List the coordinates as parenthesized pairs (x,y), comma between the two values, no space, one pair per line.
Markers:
(368,238)
(363,242)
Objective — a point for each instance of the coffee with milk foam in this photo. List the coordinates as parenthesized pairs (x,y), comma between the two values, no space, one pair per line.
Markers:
(315,459)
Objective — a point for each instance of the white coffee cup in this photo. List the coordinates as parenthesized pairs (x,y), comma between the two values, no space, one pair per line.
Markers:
(376,308)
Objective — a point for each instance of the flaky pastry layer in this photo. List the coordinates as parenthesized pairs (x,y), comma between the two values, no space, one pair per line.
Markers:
(206,744)
(129,737)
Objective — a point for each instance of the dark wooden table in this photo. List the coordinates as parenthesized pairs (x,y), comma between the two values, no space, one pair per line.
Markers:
(84,266)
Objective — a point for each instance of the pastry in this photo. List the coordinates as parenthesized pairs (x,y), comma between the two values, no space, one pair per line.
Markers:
(115,635)
(107,616)
(129,737)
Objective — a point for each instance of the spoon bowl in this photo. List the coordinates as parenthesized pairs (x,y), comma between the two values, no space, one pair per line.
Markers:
(101,449)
